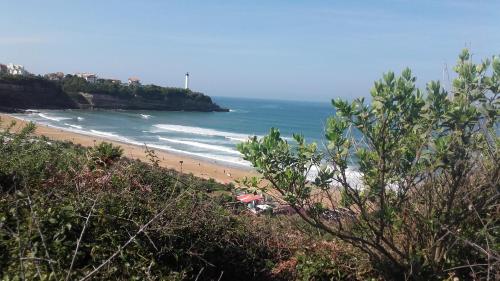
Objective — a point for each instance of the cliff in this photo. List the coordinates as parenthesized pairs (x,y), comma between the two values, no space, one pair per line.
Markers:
(103,101)
(19,93)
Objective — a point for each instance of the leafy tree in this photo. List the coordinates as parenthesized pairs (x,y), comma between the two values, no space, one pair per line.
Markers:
(425,203)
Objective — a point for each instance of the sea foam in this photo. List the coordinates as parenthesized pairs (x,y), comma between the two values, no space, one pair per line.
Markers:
(227,159)
(354,178)
(96,133)
(202,131)
(112,136)
(53,118)
(201,145)
(74,126)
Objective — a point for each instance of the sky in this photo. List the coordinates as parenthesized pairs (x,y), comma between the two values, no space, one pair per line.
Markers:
(300,50)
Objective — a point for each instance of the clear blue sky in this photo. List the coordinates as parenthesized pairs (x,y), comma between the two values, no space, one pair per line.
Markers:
(308,50)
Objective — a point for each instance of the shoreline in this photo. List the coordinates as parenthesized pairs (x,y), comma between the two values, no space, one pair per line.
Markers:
(198,167)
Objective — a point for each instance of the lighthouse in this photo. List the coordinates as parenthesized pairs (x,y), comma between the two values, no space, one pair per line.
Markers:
(186,83)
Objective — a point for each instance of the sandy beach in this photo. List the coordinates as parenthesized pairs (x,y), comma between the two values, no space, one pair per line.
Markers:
(200,168)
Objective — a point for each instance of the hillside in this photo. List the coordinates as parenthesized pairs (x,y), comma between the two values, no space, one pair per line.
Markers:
(95,204)
(22,93)
(18,93)
(76,213)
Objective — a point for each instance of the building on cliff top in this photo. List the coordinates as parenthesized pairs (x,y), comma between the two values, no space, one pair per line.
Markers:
(89,77)
(16,69)
(186,81)
(134,81)
(56,76)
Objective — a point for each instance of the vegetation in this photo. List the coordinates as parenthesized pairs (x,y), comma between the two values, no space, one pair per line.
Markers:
(426,205)
(6,77)
(149,92)
(30,80)
(39,92)
(74,213)
(105,153)
(23,92)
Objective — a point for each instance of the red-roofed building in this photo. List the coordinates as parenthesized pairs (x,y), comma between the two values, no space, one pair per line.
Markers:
(250,198)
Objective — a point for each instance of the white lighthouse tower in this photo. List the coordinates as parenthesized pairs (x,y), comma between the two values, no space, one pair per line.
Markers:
(186,83)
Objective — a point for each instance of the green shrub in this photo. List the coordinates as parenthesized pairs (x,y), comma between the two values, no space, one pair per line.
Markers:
(105,153)
(426,204)
(62,219)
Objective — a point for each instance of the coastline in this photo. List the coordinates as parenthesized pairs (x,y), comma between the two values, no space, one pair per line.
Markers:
(199,168)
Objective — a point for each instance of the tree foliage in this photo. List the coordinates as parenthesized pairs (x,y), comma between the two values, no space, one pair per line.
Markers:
(426,201)
(148,92)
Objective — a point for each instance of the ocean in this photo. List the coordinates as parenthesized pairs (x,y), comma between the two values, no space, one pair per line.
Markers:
(210,136)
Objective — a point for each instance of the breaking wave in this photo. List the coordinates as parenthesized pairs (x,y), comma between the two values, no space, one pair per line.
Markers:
(74,126)
(227,159)
(201,145)
(112,136)
(202,131)
(52,118)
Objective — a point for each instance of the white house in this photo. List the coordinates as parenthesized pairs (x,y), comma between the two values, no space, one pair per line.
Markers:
(89,77)
(56,76)
(16,69)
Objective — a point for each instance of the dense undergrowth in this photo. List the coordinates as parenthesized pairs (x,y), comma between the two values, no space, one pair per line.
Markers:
(65,210)
(74,213)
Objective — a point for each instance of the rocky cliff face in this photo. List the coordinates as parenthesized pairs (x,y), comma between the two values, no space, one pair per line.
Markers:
(19,93)
(33,93)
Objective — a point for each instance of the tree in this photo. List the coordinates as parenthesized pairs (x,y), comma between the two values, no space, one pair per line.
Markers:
(426,203)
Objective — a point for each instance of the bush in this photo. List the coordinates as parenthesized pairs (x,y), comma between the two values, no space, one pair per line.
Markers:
(426,204)
(62,219)
(105,153)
